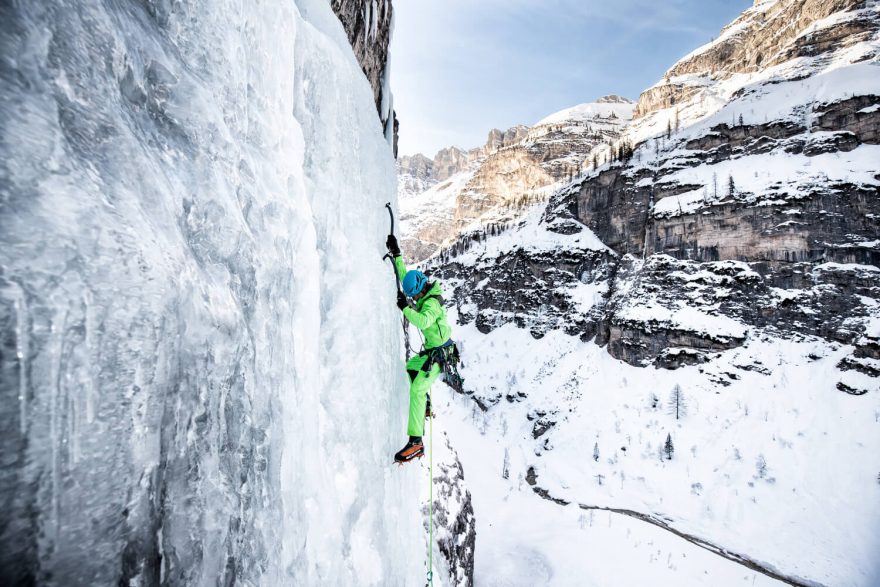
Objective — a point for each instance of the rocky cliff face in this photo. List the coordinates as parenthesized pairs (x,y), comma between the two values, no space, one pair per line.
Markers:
(755,214)
(493,183)
(699,201)
(449,161)
(498,140)
(367,24)
(417,174)
(454,521)
(772,32)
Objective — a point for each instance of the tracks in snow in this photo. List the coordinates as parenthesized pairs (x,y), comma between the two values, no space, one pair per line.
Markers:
(757,566)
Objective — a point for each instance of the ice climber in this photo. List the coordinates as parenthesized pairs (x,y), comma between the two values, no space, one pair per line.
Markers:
(429,316)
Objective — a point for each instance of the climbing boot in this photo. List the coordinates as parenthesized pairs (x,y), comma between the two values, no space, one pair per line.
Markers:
(413,449)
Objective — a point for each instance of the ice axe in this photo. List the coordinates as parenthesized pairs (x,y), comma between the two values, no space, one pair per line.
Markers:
(388,255)
(397,281)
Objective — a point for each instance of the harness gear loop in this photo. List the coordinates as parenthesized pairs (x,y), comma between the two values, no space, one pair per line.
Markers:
(448,357)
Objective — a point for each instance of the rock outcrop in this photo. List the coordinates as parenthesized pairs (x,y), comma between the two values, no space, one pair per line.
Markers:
(417,173)
(367,24)
(455,526)
(770,33)
(498,140)
(449,161)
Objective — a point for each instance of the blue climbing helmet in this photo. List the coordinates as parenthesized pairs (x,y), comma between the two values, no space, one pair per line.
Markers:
(414,282)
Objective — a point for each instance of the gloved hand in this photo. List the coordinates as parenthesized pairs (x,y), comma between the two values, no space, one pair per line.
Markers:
(401,301)
(392,246)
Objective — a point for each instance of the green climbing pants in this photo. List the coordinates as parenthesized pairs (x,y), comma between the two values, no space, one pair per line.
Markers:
(420,384)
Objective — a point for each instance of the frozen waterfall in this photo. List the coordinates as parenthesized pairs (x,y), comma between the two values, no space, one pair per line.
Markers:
(201,378)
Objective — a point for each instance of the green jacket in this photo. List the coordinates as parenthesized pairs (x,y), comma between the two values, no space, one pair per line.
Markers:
(429,315)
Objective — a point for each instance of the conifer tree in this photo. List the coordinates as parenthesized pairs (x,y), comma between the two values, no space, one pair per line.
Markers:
(731,187)
(596,452)
(761,466)
(668,449)
(677,403)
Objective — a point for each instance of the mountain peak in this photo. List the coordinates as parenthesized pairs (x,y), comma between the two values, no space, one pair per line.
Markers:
(614,99)
(606,107)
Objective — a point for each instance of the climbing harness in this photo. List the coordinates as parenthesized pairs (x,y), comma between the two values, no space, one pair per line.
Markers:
(447,356)
(388,256)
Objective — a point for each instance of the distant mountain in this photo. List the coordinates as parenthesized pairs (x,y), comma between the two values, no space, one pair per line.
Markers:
(458,190)
(417,173)
(725,241)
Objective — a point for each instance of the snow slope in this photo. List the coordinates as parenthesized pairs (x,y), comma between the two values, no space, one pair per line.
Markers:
(810,514)
(191,229)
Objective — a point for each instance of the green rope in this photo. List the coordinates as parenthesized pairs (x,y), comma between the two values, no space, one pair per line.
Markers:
(431,503)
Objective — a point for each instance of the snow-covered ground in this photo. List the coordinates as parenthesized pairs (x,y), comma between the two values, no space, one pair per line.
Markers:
(779,466)
(769,179)
(524,540)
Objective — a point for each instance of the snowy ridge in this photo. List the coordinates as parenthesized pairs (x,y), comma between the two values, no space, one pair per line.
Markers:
(529,234)
(714,90)
(776,179)
(588,112)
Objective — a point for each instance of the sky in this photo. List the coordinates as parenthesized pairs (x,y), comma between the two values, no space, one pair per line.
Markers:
(462,67)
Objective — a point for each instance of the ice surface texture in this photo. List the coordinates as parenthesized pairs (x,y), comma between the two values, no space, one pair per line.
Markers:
(198,343)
